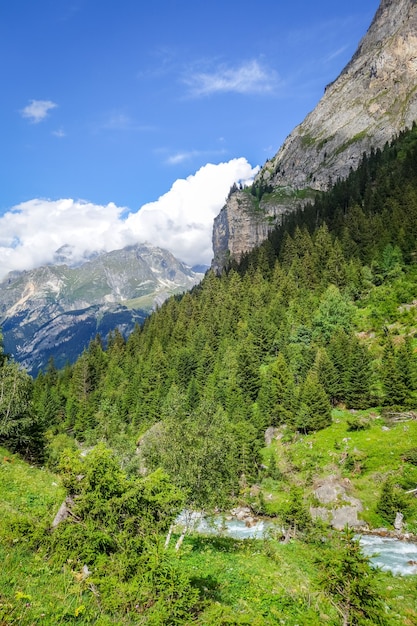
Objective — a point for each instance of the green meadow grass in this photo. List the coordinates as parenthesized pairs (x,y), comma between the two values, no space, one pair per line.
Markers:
(262,582)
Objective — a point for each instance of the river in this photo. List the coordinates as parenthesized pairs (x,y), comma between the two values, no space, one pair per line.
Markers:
(394,555)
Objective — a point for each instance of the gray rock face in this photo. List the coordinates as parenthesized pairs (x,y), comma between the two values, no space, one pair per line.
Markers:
(56,310)
(238,228)
(374,98)
(243,224)
(340,508)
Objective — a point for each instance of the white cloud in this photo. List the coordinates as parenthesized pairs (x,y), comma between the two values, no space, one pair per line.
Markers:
(122,122)
(336,53)
(181,221)
(37,110)
(248,78)
(31,232)
(60,133)
(180,157)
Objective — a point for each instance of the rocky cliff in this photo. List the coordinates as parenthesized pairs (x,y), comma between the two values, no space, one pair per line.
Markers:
(374,98)
(56,310)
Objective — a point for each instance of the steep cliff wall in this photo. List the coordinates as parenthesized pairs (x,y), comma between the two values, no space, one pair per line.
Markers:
(374,98)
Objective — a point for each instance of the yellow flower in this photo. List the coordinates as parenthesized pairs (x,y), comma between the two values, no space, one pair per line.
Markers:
(80,609)
(19,595)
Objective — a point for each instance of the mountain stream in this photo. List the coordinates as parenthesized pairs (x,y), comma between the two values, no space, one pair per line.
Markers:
(390,554)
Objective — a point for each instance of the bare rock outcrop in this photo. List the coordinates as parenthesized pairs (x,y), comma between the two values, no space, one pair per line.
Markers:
(372,100)
(338,507)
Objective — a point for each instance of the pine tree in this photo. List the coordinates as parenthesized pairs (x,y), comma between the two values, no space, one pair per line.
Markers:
(277,393)
(348,578)
(327,374)
(359,376)
(393,379)
(315,412)
(391,501)
(338,351)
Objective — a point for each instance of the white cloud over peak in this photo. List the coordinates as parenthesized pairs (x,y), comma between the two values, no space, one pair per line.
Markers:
(248,78)
(38,110)
(180,221)
(31,232)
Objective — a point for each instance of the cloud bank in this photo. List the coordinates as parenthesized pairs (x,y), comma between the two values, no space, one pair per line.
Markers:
(181,221)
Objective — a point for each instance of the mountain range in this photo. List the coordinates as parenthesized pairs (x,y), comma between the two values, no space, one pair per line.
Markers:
(55,310)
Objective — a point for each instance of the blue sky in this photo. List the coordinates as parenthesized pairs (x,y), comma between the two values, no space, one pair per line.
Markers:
(106,104)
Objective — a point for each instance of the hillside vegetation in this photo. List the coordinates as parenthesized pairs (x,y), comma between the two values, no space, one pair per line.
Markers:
(312,336)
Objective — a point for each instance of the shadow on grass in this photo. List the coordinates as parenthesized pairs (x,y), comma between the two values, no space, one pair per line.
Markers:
(208,587)
(220,544)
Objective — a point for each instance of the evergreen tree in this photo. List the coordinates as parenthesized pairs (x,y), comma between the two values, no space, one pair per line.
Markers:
(277,393)
(359,376)
(249,362)
(391,501)
(394,376)
(315,411)
(338,351)
(348,578)
(327,375)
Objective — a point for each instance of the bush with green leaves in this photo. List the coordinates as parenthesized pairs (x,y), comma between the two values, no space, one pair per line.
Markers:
(410,456)
(392,500)
(116,528)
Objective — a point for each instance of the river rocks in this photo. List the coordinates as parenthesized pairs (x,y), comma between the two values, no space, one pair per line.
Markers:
(241,513)
(398,524)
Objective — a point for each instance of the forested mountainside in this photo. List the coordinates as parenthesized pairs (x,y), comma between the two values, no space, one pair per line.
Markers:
(310,339)
(326,306)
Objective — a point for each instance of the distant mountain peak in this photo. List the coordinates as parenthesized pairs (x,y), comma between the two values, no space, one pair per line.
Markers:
(67,255)
(56,309)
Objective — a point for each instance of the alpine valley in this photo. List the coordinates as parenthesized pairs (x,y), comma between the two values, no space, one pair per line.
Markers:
(280,392)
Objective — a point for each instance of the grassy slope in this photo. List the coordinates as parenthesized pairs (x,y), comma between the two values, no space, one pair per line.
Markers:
(32,590)
(365,457)
(265,583)
(252,582)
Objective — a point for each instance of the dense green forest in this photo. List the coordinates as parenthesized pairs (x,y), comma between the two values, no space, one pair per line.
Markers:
(314,333)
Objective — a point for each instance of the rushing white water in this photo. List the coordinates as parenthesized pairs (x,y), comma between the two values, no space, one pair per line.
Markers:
(398,557)
(218,525)
(234,528)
